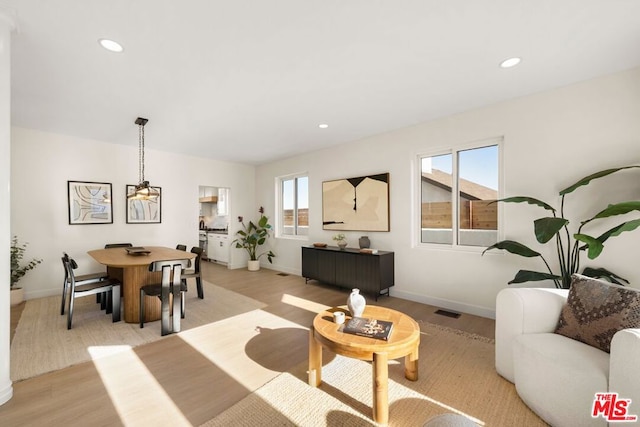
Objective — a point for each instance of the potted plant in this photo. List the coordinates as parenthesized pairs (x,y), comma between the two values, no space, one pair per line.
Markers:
(570,246)
(253,235)
(18,271)
(340,239)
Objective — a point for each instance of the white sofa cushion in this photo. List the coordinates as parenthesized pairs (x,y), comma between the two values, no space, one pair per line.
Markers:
(561,392)
(524,311)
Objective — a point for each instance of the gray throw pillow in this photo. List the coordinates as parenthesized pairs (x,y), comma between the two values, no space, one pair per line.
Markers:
(596,310)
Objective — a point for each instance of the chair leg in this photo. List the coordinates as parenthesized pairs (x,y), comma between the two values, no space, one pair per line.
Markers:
(64,297)
(199,285)
(177,305)
(141,312)
(103,300)
(165,319)
(182,304)
(115,304)
(109,301)
(70,312)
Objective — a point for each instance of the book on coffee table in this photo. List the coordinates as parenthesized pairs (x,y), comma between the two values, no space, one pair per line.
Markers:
(372,328)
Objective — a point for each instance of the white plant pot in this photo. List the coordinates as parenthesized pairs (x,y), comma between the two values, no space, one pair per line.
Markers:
(17,296)
(253,265)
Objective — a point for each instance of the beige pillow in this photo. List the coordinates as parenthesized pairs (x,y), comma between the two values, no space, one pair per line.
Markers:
(596,310)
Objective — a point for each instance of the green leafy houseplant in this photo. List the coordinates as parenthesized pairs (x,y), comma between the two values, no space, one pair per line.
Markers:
(253,235)
(17,270)
(570,246)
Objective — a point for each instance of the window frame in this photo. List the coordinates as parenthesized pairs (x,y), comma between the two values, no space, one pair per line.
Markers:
(279,182)
(455,229)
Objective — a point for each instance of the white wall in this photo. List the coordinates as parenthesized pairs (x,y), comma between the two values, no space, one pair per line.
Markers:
(551,140)
(41,165)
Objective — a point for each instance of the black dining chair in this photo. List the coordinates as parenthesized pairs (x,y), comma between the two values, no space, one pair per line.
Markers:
(82,279)
(99,297)
(118,245)
(181,247)
(108,287)
(195,274)
(171,284)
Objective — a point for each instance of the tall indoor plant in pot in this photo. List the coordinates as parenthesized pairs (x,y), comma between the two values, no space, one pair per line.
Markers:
(570,245)
(251,237)
(18,270)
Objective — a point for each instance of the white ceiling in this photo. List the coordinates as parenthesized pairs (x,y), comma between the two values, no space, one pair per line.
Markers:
(250,80)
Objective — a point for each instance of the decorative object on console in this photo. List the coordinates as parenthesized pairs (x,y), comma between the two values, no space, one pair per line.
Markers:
(142,210)
(143,190)
(89,202)
(320,245)
(364,242)
(356,303)
(137,250)
(340,239)
(596,310)
(369,210)
(253,235)
(555,228)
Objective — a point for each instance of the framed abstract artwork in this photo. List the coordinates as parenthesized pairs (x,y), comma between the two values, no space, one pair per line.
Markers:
(356,204)
(144,211)
(89,202)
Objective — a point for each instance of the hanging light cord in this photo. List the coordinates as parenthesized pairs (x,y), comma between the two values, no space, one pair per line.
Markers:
(141,153)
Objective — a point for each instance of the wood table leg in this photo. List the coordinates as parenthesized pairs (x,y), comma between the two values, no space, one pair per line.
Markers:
(133,278)
(315,360)
(411,365)
(380,388)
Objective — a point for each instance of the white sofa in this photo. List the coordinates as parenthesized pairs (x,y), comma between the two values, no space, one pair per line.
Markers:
(556,376)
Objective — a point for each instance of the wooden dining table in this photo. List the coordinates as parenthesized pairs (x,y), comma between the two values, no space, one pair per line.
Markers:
(133,272)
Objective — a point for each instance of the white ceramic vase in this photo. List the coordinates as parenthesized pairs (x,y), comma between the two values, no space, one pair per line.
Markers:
(356,303)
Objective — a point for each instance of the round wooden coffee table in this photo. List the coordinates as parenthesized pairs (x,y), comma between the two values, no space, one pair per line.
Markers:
(403,342)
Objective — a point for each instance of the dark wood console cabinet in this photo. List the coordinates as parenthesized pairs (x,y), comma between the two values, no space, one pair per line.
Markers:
(349,268)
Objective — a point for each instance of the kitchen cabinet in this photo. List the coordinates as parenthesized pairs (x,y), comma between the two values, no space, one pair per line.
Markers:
(373,274)
(218,247)
(208,194)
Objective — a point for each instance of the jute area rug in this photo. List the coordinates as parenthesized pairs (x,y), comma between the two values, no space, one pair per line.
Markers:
(42,342)
(457,375)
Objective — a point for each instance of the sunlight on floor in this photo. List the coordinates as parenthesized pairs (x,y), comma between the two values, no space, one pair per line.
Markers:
(225,344)
(134,392)
(305,304)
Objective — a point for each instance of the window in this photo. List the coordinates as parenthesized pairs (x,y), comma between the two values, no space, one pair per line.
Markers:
(293,215)
(457,188)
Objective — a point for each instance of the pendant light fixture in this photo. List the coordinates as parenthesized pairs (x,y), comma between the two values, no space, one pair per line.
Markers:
(142,191)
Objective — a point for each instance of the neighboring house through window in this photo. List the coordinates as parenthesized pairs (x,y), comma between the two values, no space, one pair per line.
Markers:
(293,212)
(457,190)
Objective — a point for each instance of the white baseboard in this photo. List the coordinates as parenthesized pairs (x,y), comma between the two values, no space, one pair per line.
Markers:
(6,393)
(446,304)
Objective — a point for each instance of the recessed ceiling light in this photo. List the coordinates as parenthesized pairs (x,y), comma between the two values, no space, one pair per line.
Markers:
(111,45)
(511,62)
(323,126)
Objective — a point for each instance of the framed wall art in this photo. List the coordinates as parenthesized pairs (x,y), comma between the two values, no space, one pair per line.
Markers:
(89,202)
(144,211)
(356,204)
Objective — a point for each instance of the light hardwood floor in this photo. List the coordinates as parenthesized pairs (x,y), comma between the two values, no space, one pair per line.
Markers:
(199,388)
